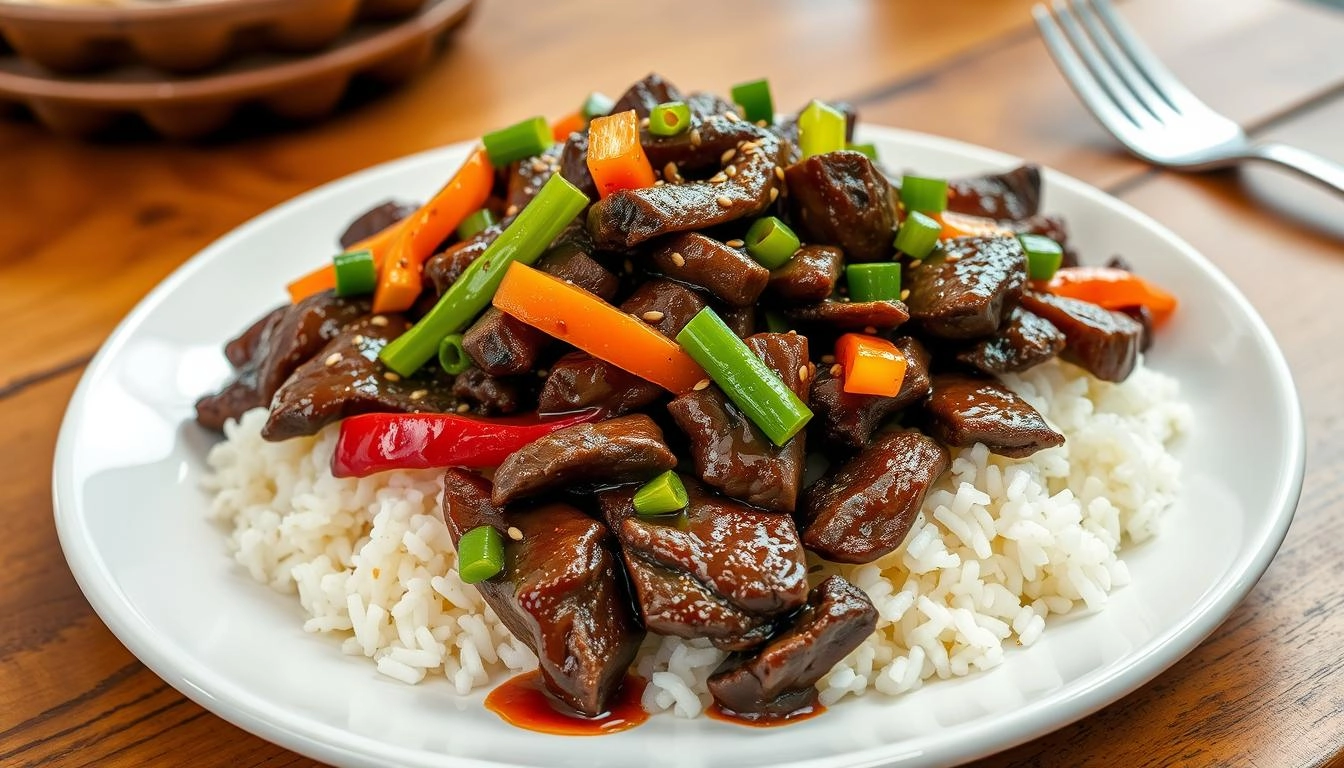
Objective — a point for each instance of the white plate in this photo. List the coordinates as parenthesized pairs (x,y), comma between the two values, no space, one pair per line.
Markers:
(132,523)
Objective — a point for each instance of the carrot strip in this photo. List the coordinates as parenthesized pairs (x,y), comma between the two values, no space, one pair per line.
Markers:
(571,123)
(873,366)
(615,158)
(965,225)
(1113,289)
(324,277)
(577,317)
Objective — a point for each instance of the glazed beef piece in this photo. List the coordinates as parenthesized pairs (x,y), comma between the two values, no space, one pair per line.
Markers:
(809,277)
(728,273)
(864,510)
(375,220)
(526,177)
(839,198)
(847,421)
(274,347)
(967,290)
(1013,195)
(744,565)
(664,304)
(1144,318)
(629,217)
(622,450)
(730,452)
(841,316)
(646,94)
(346,378)
(1025,340)
(740,320)
(578,380)
(574,164)
(443,268)
(964,410)
(561,591)
(1104,342)
(492,395)
(699,149)
(781,678)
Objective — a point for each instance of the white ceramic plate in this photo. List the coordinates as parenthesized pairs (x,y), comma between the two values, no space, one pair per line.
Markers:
(132,523)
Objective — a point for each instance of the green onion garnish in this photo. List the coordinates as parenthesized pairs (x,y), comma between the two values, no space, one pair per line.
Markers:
(874,282)
(923,194)
(868,150)
(661,495)
(771,243)
(918,235)
(453,357)
(755,100)
(669,119)
(753,387)
(820,130)
(355,273)
(526,139)
(480,554)
(475,223)
(1043,256)
(554,207)
(596,105)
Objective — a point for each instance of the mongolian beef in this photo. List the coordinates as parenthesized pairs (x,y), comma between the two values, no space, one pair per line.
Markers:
(679,365)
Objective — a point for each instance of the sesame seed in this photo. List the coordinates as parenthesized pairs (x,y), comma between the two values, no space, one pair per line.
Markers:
(529,190)
(747,146)
(724,201)
(391,376)
(695,137)
(514,533)
(774,194)
(659,183)
(718,178)
(734,243)
(652,316)
(828,359)
(732,116)
(542,373)
(870,330)
(539,165)
(419,394)
(678,259)
(837,369)
(701,384)
(463,408)
(359,339)
(726,156)
(803,372)
(670,171)
(332,359)
(629,267)
(512,210)
(779,173)
(730,171)
(953,258)
(378,320)
(644,122)
(905,294)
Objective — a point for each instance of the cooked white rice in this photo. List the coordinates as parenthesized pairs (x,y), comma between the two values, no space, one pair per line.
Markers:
(1000,545)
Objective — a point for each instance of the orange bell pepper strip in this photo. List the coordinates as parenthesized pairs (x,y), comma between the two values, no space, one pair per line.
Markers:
(1113,289)
(965,225)
(872,365)
(615,158)
(401,250)
(577,317)
(571,123)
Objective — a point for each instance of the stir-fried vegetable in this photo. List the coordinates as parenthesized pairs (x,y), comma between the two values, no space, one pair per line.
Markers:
(880,281)
(1044,256)
(556,204)
(520,140)
(596,104)
(661,495)
(480,554)
(872,365)
(453,358)
(669,119)
(577,317)
(615,158)
(571,123)
(356,273)
(378,442)
(475,223)
(821,129)
(923,194)
(771,243)
(755,100)
(1113,289)
(956,225)
(754,388)
(917,235)
(867,150)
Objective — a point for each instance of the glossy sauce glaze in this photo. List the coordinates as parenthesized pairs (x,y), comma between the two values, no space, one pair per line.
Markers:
(716,712)
(523,701)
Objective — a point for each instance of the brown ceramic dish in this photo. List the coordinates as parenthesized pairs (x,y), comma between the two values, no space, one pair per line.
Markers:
(295,87)
(180,35)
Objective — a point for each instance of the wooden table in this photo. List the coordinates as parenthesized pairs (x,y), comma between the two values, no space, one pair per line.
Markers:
(88,229)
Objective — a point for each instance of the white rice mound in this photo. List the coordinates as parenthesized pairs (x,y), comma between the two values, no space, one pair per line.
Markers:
(1000,545)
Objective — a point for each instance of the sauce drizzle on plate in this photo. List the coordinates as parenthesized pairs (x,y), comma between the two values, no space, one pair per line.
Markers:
(522,701)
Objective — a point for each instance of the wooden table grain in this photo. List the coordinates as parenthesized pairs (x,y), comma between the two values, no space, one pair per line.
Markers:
(87,229)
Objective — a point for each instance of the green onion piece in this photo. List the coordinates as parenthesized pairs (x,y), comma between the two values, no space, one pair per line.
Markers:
(757,390)
(918,235)
(525,139)
(821,129)
(480,554)
(868,150)
(475,223)
(453,357)
(670,118)
(880,281)
(771,243)
(596,105)
(661,495)
(355,273)
(556,204)
(923,194)
(755,100)
(775,322)
(1043,256)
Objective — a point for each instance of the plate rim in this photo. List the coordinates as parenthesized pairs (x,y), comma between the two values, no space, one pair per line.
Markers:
(1085,695)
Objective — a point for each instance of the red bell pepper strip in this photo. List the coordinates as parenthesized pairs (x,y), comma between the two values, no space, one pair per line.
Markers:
(1113,289)
(377,442)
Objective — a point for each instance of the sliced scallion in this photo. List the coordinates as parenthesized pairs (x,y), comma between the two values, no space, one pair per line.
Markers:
(771,243)
(748,382)
(1044,256)
(880,281)
(661,495)
(480,554)
(453,357)
(669,119)
(821,129)
(922,194)
(596,105)
(526,139)
(475,223)
(868,150)
(917,235)
(355,273)
(755,100)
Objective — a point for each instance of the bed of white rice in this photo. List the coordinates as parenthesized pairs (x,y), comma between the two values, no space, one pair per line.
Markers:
(1000,545)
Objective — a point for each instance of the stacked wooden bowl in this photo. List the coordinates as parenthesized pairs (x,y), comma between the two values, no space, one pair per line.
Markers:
(186,67)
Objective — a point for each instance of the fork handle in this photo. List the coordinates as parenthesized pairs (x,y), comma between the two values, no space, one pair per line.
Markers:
(1313,166)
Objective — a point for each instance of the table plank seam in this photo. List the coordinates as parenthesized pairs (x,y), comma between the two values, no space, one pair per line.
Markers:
(35,378)
(103,686)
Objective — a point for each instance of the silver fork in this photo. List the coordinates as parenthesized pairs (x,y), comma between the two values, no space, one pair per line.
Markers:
(1134,96)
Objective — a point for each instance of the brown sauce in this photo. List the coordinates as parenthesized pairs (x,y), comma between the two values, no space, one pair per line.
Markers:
(808,712)
(523,701)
